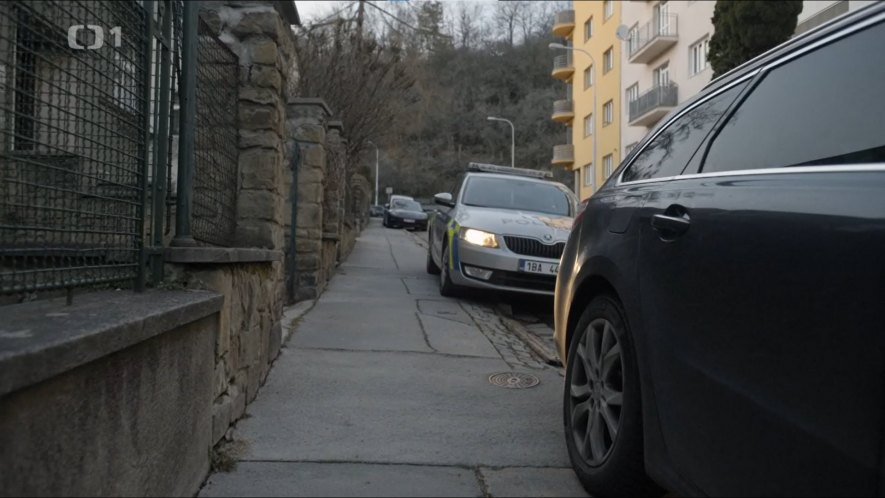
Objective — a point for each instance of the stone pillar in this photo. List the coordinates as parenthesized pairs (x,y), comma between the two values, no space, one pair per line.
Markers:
(332,198)
(250,275)
(307,121)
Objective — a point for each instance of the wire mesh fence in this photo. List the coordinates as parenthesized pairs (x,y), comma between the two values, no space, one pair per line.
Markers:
(213,217)
(73,146)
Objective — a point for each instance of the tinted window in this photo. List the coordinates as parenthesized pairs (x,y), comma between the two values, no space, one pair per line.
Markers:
(514,193)
(406,205)
(826,107)
(669,152)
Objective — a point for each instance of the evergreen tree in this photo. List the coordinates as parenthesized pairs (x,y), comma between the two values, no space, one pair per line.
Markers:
(743,29)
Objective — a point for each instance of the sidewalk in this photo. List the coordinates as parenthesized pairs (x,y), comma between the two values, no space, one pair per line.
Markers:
(383,389)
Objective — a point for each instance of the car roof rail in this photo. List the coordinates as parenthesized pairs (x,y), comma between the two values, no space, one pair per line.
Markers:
(507,170)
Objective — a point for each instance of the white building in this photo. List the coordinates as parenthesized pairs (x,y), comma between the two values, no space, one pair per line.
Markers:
(663,63)
(817,12)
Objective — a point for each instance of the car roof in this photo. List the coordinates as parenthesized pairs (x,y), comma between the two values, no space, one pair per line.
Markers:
(512,177)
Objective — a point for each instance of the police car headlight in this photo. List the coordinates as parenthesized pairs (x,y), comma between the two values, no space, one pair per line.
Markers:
(479,238)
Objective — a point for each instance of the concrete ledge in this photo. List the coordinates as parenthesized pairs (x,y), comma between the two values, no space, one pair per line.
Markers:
(42,339)
(221,255)
(307,101)
(331,236)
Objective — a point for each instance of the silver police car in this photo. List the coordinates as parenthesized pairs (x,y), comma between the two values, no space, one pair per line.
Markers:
(500,228)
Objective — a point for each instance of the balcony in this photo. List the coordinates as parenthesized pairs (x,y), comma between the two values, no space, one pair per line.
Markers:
(564,23)
(653,105)
(563,155)
(652,39)
(563,111)
(563,69)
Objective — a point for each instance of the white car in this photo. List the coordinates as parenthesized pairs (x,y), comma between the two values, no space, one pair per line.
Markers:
(500,228)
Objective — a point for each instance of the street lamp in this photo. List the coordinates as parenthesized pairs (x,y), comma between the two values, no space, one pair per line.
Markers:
(554,46)
(512,139)
(376,170)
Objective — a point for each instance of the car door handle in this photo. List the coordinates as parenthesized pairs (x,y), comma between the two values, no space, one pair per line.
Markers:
(670,226)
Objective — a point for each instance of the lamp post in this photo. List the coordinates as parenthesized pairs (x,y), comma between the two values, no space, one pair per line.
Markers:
(376,170)
(512,139)
(554,46)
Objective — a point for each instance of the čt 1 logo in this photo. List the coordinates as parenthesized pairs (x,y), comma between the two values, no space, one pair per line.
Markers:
(116,32)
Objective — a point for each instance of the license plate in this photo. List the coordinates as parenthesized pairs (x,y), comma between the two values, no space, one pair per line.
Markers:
(538,267)
(409,221)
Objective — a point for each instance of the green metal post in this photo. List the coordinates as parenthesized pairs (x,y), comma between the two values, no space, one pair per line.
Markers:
(162,142)
(146,130)
(187,131)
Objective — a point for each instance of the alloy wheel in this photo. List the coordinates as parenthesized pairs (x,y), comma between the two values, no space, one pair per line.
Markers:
(596,392)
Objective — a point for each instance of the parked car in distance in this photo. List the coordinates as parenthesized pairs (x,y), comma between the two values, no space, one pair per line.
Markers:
(719,302)
(405,213)
(500,228)
(376,211)
(397,196)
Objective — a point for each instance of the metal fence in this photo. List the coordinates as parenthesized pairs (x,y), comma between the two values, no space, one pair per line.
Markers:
(90,163)
(73,143)
(215,143)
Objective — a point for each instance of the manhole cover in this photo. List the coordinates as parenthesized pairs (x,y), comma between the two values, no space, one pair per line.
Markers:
(514,380)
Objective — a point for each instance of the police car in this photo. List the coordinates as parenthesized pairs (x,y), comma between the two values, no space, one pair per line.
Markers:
(500,228)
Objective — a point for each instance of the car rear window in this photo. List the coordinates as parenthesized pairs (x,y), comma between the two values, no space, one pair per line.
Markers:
(406,205)
(517,194)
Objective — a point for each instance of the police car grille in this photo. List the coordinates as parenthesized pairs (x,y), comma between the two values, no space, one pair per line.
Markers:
(534,247)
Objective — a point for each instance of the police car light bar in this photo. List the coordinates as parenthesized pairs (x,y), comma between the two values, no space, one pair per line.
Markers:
(507,170)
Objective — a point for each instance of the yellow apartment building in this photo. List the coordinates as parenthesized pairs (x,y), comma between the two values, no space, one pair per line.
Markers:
(591,109)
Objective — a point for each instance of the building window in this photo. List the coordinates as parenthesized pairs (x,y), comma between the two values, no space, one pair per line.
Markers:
(697,56)
(588,125)
(632,93)
(588,29)
(661,75)
(608,8)
(662,15)
(608,113)
(590,177)
(629,148)
(588,77)
(608,60)
(607,164)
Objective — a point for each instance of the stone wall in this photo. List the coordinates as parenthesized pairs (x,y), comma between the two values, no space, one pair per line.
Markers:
(249,331)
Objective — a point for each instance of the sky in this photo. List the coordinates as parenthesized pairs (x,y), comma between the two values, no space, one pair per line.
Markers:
(316,9)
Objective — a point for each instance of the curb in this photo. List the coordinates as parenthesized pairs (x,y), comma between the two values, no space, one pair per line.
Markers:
(291,315)
(538,347)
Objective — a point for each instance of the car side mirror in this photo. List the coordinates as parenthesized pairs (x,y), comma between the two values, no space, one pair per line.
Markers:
(387,206)
(444,199)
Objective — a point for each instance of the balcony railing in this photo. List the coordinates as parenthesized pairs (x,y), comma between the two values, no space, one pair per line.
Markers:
(651,39)
(562,66)
(654,104)
(563,110)
(563,155)
(564,23)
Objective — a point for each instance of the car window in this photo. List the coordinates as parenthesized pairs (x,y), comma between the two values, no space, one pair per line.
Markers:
(456,187)
(406,205)
(669,153)
(515,193)
(824,108)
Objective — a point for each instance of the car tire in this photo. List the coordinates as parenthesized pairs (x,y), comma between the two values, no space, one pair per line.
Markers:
(447,288)
(431,266)
(602,410)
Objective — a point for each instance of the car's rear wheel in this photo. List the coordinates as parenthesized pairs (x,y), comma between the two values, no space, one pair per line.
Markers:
(431,265)
(447,288)
(601,405)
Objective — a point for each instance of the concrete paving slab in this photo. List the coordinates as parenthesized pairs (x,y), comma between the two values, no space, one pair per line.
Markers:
(349,325)
(538,482)
(402,408)
(453,337)
(341,479)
